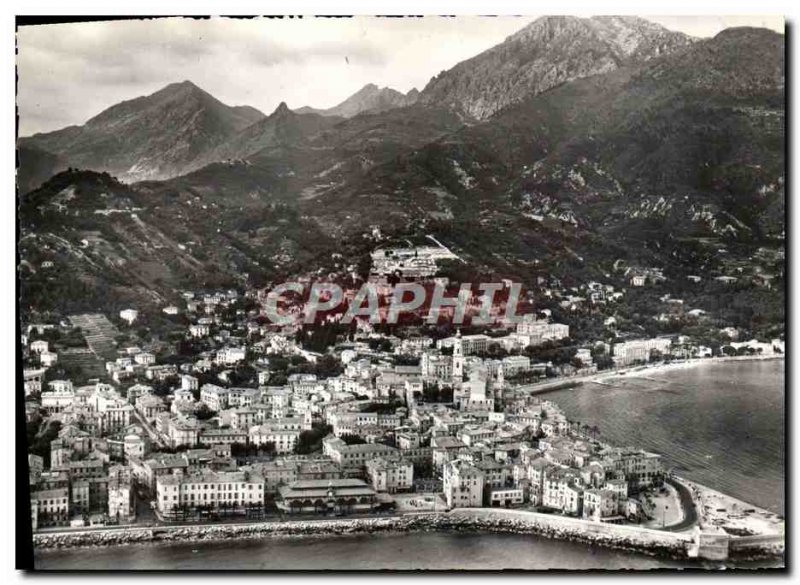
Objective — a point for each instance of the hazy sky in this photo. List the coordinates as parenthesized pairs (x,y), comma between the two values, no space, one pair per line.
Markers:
(71,72)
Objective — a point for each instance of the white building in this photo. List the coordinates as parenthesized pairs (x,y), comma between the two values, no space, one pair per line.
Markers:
(639,350)
(56,400)
(235,490)
(470,344)
(463,485)
(231,355)
(284,440)
(215,397)
(188,382)
(390,475)
(39,346)
(540,330)
(129,315)
(198,330)
(144,358)
(515,364)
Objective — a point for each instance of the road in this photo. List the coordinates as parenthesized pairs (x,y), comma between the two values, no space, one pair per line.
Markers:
(154,436)
(172,526)
(688,505)
(441,245)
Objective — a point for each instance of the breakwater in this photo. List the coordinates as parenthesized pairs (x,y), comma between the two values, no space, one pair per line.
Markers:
(681,545)
(473,520)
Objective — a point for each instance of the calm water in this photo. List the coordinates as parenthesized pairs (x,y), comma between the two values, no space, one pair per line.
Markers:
(429,550)
(719,424)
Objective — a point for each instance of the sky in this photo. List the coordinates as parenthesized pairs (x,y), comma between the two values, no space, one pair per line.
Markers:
(68,73)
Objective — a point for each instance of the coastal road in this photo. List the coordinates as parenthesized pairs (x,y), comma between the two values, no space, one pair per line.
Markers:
(161,526)
(688,505)
(602,377)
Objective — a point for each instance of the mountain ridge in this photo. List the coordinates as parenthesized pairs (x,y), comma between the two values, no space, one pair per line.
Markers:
(368,99)
(148,137)
(676,162)
(544,54)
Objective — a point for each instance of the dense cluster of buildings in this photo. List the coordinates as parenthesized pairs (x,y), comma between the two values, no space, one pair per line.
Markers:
(191,440)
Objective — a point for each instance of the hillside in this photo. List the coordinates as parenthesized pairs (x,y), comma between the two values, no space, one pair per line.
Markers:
(369,99)
(35,166)
(283,128)
(545,54)
(309,166)
(621,164)
(150,137)
(88,241)
(675,162)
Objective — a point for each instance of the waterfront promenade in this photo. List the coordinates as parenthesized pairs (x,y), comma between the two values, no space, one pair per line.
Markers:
(603,377)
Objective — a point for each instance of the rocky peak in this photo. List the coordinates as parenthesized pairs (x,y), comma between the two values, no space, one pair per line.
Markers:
(281,110)
(544,54)
(370,98)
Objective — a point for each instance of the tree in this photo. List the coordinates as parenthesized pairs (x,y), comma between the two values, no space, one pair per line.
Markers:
(31,430)
(406,360)
(41,445)
(496,351)
(380,344)
(203,412)
(352,439)
(327,367)
(604,362)
(311,440)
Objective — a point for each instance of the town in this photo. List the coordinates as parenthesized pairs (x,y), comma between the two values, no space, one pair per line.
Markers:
(244,419)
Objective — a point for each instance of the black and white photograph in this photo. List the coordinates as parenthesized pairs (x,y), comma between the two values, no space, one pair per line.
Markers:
(401,293)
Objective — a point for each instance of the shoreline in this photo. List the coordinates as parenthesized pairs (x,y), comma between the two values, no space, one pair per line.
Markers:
(762,540)
(601,377)
(681,364)
(464,520)
(631,538)
(717,509)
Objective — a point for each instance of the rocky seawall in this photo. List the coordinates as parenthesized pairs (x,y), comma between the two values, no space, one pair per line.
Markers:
(423,522)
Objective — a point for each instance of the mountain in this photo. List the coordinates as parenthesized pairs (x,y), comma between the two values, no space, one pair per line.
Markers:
(292,157)
(35,166)
(113,245)
(282,128)
(150,137)
(673,161)
(550,51)
(369,98)
(662,164)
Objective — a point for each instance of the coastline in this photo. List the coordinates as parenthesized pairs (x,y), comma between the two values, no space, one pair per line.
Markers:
(716,509)
(603,376)
(478,520)
(753,542)
(690,363)
(633,538)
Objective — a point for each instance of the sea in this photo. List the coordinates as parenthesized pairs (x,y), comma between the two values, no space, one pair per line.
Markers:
(720,424)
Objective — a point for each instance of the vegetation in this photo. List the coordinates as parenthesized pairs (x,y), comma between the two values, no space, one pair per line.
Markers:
(40,445)
(311,441)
